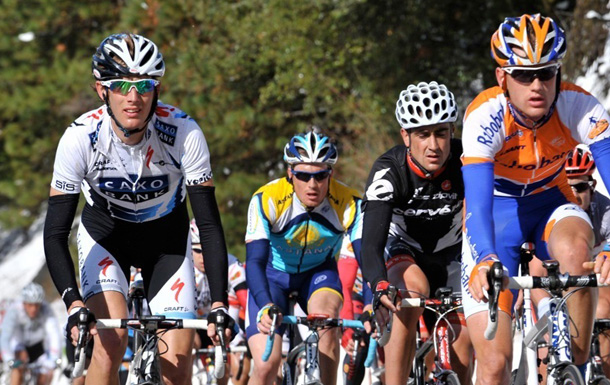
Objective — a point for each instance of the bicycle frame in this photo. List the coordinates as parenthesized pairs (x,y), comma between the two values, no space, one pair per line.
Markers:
(595,371)
(313,323)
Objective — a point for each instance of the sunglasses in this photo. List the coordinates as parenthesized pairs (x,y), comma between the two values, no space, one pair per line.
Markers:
(582,186)
(306,176)
(123,87)
(197,251)
(527,75)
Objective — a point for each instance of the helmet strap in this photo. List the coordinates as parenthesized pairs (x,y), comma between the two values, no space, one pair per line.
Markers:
(125,131)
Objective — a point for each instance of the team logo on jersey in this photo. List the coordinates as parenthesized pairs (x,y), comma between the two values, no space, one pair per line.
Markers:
(446,185)
(106,263)
(149,154)
(319,279)
(600,127)
(166,132)
(492,128)
(305,235)
(145,188)
(177,287)
(380,189)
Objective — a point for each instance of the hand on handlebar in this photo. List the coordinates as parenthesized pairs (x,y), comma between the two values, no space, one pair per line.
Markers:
(80,320)
(265,316)
(478,284)
(600,266)
(220,319)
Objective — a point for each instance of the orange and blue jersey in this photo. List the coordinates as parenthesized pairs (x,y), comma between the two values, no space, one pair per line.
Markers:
(505,161)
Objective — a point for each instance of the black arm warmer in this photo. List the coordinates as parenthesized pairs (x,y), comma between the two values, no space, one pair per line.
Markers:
(375,228)
(57,225)
(215,256)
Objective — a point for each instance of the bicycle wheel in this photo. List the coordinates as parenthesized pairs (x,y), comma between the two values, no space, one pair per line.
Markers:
(448,378)
(570,375)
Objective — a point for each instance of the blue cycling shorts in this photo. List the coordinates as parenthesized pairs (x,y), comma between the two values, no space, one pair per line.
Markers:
(281,284)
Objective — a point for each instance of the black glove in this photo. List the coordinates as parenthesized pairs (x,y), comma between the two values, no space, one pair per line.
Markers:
(81,317)
(221,318)
(383,288)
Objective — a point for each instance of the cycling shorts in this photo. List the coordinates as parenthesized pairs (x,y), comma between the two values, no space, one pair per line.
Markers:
(442,269)
(160,248)
(519,220)
(281,284)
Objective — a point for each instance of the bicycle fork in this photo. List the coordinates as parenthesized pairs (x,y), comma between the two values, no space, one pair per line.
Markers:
(312,366)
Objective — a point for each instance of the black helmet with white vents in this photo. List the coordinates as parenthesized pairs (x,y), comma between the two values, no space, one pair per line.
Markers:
(127,55)
(425,104)
(310,147)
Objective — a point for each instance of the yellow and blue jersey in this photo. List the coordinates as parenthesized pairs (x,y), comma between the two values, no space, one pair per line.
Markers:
(301,238)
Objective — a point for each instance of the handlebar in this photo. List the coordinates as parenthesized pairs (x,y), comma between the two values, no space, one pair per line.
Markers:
(313,322)
(494,276)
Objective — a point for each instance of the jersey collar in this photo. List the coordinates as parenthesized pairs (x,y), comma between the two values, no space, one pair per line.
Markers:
(420,171)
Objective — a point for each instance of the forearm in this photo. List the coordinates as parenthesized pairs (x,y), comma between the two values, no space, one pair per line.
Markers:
(58,223)
(479,224)
(207,217)
(257,254)
(375,228)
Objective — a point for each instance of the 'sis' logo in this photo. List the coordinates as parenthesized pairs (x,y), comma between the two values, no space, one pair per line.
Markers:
(106,262)
(177,286)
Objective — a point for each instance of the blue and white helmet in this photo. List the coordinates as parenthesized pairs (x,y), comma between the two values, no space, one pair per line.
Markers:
(310,148)
(194,232)
(32,293)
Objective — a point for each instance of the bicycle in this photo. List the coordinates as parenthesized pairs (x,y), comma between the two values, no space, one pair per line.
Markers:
(560,368)
(309,374)
(144,367)
(203,370)
(444,303)
(30,373)
(595,373)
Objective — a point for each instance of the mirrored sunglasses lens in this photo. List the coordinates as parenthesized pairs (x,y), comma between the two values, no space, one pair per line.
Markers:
(198,251)
(142,86)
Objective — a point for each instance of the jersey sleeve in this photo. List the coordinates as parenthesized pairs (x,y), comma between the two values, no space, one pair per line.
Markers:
(583,114)
(258,222)
(483,129)
(196,157)
(53,336)
(70,163)
(9,324)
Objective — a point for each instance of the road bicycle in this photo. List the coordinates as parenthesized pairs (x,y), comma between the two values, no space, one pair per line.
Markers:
(204,364)
(305,353)
(595,373)
(445,302)
(530,334)
(144,367)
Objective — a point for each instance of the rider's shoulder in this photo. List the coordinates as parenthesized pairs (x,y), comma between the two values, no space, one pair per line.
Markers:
(341,192)
(277,188)
(491,101)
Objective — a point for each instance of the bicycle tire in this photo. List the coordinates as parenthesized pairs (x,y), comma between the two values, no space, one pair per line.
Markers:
(570,375)
(448,378)
(601,381)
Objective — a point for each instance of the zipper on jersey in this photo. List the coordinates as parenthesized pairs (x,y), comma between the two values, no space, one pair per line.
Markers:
(305,245)
(534,130)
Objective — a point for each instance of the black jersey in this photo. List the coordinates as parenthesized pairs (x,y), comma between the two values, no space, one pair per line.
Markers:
(422,210)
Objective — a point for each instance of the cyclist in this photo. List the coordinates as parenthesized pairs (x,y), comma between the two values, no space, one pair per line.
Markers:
(516,137)
(579,169)
(238,296)
(412,217)
(295,229)
(31,334)
(135,159)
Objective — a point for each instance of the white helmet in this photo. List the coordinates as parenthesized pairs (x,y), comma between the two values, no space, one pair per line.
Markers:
(194,232)
(425,104)
(125,55)
(32,293)
(310,148)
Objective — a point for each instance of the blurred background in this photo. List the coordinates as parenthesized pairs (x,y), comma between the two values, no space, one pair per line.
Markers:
(252,73)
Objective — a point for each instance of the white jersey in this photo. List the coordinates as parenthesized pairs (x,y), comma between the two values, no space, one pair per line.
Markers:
(136,183)
(20,331)
(237,276)
(599,211)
